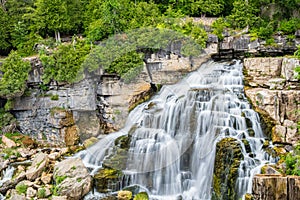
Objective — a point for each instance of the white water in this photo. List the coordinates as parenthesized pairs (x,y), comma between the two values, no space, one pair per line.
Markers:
(7,175)
(173,148)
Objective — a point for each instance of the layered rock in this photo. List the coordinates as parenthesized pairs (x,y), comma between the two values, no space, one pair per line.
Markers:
(275,187)
(99,104)
(274,92)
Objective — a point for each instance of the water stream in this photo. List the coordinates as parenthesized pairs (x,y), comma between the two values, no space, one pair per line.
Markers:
(174,135)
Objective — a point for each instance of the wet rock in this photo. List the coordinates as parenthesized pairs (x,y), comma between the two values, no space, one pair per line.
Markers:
(106,180)
(268,169)
(72,178)
(89,142)
(39,163)
(141,196)
(227,161)
(124,195)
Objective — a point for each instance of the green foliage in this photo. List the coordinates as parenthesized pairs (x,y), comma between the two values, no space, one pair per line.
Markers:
(15,74)
(127,66)
(60,179)
(145,40)
(292,161)
(64,63)
(289,26)
(56,16)
(4,30)
(8,105)
(212,7)
(21,188)
(188,28)
(243,14)
(41,193)
(54,97)
(218,27)
(23,40)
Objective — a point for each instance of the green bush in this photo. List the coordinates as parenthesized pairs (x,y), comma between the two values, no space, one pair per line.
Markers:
(292,161)
(15,71)
(65,63)
(289,26)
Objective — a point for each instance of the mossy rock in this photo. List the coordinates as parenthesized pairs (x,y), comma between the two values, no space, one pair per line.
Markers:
(141,196)
(227,162)
(106,180)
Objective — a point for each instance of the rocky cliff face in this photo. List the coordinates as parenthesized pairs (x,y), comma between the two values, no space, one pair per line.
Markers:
(274,92)
(65,114)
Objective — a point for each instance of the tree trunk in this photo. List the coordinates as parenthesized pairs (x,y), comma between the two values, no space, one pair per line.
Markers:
(57,36)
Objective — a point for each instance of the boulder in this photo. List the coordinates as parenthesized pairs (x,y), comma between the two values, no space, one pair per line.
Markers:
(38,165)
(15,196)
(30,193)
(124,195)
(8,142)
(106,180)
(72,179)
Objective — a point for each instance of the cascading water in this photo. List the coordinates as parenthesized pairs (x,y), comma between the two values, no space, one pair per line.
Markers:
(174,135)
(7,175)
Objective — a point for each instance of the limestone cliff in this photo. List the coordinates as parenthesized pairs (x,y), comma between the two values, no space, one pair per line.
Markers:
(274,91)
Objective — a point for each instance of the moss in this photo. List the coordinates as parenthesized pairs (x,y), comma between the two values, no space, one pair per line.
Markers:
(141,196)
(106,178)
(54,97)
(227,162)
(60,179)
(21,188)
(140,101)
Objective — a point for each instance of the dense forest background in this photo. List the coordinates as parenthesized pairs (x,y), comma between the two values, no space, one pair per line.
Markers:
(27,25)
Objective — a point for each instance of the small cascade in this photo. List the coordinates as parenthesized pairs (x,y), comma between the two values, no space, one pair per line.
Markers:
(173,136)
(7,175)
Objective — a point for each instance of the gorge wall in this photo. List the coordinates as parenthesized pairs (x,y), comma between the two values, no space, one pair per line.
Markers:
(66,114)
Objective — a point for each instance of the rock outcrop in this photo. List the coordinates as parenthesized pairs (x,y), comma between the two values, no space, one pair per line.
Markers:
(275,187)
(275,92)
(99,104)
(227,162)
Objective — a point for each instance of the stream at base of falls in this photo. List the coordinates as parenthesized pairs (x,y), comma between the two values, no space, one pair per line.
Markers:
(173,136)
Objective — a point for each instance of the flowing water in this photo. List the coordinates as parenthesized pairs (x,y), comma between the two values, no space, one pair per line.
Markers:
(6,176)
(173,142)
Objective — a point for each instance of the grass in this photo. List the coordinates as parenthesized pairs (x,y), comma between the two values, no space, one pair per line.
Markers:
(21,188)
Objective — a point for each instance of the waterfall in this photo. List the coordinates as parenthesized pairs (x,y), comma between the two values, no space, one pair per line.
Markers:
(173,142)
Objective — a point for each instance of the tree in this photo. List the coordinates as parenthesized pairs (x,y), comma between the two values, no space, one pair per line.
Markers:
(57,16)
(13,81)
(4,31)
(108,17)
(211,7)
(64,63)
(243,14)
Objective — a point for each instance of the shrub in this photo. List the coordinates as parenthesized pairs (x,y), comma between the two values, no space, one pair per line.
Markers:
(64,64)
(15,74)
